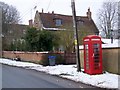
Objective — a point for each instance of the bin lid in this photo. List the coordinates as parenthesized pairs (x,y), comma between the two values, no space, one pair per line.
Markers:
(52,57)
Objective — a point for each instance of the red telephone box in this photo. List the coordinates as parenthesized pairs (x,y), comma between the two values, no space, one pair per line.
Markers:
(92,55)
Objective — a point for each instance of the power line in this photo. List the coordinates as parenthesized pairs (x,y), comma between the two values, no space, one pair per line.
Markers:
(34,6)
(29,11)
(48,5)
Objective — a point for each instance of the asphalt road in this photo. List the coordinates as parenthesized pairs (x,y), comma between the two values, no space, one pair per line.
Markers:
(14,77)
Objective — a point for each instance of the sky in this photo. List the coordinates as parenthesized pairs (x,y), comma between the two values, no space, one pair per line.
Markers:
(27,11)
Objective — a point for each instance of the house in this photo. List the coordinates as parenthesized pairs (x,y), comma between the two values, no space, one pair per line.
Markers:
(53,21)
(59,22)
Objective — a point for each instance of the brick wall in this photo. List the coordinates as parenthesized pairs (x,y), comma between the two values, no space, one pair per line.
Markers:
(111,59)
(62,58)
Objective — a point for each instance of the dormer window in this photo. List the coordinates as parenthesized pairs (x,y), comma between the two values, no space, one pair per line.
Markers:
(58,22)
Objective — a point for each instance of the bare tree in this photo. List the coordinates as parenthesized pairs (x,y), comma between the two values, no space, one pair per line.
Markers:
(66,39)
(10,15)
(107,17)
(119,15)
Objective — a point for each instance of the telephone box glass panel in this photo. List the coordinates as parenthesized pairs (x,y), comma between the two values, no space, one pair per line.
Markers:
(87,57)
(96,53)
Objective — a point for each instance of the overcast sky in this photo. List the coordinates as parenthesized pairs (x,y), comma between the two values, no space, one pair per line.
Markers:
(27,11)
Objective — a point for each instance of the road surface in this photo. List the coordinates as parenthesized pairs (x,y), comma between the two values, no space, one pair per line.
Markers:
(14,77)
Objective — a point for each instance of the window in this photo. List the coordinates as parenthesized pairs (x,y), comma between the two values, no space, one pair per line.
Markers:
(24,31)
(58,22)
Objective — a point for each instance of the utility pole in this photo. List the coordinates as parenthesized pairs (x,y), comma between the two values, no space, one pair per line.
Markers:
(111,35)
(1,34)
(76,36)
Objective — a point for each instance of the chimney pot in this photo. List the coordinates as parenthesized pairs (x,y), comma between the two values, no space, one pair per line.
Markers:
(52,12)
(31,23)
(42,10)
(37,11)
(89,14)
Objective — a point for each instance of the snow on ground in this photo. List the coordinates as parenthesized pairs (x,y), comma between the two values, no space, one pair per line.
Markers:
(106,80)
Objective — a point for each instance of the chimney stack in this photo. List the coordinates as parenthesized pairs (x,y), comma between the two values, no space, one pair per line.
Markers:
(42,10)
(89,14)
(52,12)
(37,11)
(31,23)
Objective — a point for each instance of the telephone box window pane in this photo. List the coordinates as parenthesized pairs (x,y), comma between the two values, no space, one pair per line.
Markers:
(96,45)
(96,54)
(87,57)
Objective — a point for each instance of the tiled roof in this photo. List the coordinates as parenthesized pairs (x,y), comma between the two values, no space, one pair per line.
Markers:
(48,21)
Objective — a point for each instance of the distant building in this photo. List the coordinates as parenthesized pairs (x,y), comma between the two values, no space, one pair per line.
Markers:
(54,22)
(13,33)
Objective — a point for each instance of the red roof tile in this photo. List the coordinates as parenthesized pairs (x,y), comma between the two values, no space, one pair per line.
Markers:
(48,21)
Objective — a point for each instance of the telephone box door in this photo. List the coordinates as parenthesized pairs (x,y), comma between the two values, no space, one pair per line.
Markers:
(92,55)
(97,58)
